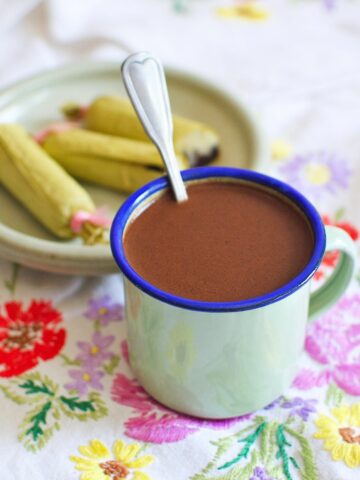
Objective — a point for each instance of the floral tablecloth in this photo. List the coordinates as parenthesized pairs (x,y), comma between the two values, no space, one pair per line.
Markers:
(70,405)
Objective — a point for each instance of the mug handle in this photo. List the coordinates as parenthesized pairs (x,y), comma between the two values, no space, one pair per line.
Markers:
(336,284)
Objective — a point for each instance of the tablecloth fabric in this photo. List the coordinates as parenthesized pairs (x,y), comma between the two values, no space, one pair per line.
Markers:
(70,406)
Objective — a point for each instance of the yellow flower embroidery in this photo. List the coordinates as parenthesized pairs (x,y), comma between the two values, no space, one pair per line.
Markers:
(317,174)
(280,149)
(94,350)
(247,10)
(341,434)
(97,462)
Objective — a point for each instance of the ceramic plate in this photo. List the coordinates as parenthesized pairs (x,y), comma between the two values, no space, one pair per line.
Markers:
(35,103)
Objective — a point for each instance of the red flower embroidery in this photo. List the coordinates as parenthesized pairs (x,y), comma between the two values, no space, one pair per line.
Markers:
(330,258)
(347,226)
(28,335)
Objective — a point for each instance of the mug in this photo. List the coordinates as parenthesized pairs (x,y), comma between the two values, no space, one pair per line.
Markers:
(224,359)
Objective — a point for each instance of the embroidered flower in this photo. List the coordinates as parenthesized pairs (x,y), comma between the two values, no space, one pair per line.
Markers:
(347,226)
(274,403)
(259,473)
(28,336)
(247,10)
(154,422)
(98,463)
(334,342)
(330,258)
(85,379)
(301,407)
(124,348)
(341,434)
(179,6)
(315,172)
(280,150)
(104,310)
(329,4)
(94,353)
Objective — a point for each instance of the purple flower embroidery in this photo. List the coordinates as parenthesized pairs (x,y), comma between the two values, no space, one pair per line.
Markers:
(315,172)
(153,422)
(259,473)
(273,404)
(329,4)
(300,406)
(85,379)
(334,342)
(104,310)
(94,353)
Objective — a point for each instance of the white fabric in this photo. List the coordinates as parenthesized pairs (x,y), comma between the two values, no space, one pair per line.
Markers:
(300,70)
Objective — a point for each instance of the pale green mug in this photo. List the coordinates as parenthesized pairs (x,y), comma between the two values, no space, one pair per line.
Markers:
(220,360)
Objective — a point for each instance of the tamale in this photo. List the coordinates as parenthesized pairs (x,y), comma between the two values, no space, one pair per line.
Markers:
(43,187)
(116,116)
(115,162)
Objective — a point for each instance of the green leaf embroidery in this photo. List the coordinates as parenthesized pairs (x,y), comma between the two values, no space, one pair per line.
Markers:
(40,380)
(111,366)
(249,441)
(143,447)
(334,396)
(239,472)
(339,214)
(93,407)
(36,420)
(10,393)
(223,445)
(294,462)
(11,283)
(266,445)
(69,361)
(275,472)
(310,470)
(282,453)
(97,325)
(270,435)
(75,404)
(43,420)
(244,473)
(101,409)
(35,430)
(31,388)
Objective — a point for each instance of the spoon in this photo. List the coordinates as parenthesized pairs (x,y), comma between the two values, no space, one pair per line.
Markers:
(145,84)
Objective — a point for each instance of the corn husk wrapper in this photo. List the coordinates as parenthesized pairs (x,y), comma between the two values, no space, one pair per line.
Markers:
(41,185)
(116,116)
(114,162)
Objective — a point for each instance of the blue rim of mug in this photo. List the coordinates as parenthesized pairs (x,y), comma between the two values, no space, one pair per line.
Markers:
(137,198)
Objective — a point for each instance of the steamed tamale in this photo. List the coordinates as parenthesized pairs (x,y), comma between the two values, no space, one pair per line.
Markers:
(41,184)
(110,161)
(116,116)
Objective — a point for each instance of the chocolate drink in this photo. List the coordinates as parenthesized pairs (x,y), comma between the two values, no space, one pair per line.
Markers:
(229,242)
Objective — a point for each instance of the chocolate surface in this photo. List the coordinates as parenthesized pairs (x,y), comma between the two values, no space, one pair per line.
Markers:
(228,242)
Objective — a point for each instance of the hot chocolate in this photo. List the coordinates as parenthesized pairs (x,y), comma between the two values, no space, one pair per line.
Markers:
(230,241)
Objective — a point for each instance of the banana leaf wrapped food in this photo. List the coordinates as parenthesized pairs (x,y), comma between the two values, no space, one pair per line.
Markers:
(116,116)
(44,188)
(115,162)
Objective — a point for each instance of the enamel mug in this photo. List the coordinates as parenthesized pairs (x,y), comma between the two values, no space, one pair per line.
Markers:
(216,359)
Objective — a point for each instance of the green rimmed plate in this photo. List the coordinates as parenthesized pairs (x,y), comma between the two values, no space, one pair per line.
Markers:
(35,103)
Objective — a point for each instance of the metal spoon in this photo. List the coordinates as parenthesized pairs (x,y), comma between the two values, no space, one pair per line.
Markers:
(145,84)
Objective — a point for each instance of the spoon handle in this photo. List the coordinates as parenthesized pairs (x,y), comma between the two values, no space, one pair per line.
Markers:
(145,84)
